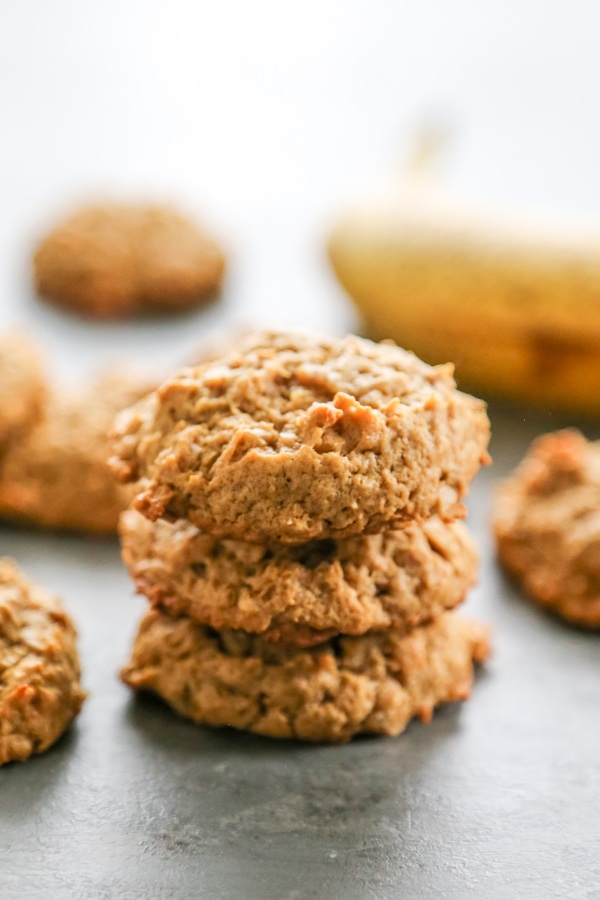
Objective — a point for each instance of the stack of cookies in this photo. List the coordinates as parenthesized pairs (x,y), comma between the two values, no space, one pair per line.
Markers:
(295,531)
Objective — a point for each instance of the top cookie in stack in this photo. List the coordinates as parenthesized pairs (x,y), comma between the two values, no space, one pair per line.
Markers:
(293,438)
(302,579)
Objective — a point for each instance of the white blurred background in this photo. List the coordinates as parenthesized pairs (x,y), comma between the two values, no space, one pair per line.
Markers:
(263,119)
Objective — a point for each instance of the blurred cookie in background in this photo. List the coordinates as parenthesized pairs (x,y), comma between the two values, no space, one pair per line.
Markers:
(121,260)
(547,525)
(22,384)
(56,475)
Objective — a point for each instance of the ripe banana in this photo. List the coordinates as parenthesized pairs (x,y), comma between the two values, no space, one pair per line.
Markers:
(514,303)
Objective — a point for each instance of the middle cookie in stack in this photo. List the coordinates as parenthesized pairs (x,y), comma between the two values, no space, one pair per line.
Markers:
(302,589)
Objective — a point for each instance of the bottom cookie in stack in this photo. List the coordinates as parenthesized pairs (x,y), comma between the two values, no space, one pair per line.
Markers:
(329,692)
(318,641)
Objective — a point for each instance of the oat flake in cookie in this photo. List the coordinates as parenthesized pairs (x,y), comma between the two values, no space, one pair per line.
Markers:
(547,525)
(330,693)
(305,593)
(296,437)
(40,693)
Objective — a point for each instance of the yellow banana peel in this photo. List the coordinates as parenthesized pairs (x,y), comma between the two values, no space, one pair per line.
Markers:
(513,301)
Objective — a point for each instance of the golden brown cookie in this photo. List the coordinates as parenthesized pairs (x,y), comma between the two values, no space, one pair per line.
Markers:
(330,692)
(547,525)
(305,593)
(296,437)
(56,475)
(40,693)
(120,260)
(22,385)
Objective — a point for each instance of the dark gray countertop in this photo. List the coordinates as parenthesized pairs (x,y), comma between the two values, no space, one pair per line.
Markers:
(497,797)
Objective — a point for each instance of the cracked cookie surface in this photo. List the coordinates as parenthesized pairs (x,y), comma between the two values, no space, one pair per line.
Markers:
(40,692)
(115,260)
(296,437)
(301,594)
(331,692)
(547,525)
(56,475)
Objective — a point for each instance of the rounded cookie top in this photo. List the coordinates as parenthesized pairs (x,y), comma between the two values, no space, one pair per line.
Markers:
(22,385)
(40,693)
(117,260)
(331,692)
(297,437)
(301,594)
(547,525)
(57,475)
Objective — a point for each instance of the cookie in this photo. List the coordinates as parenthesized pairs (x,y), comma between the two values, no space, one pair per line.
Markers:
(301,594)
(40,693)
(114,260)
(293,437)
(22,385)
(56,476)
(547,525)
(327,693)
